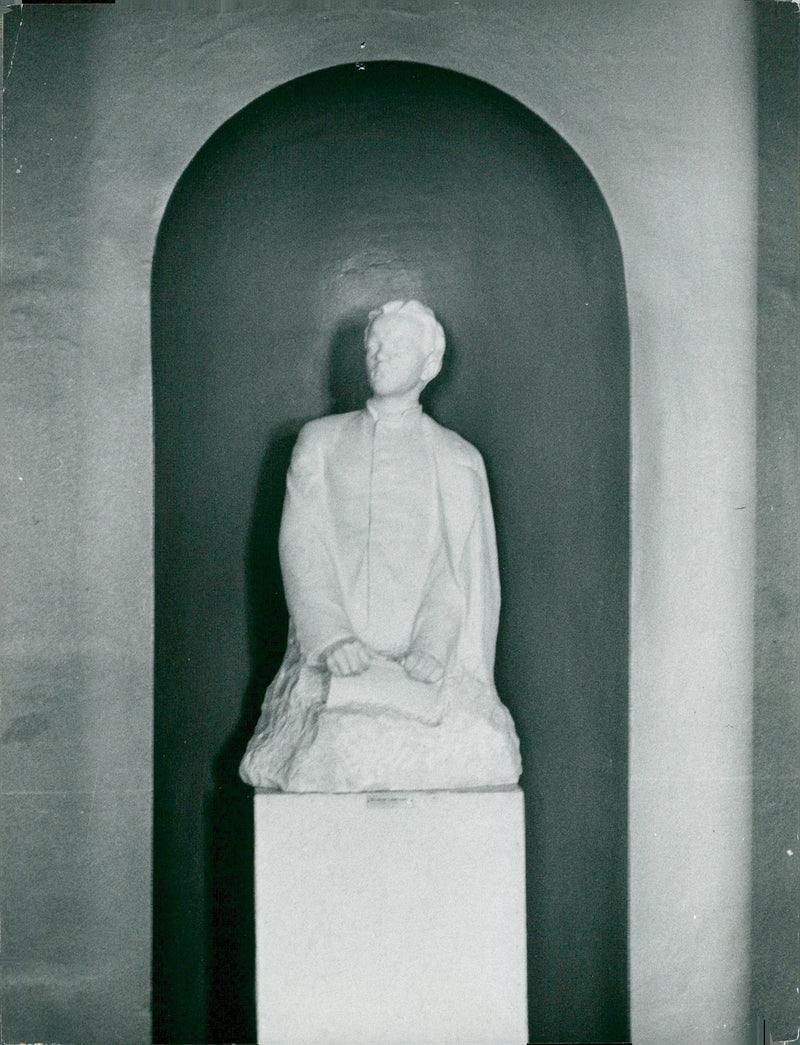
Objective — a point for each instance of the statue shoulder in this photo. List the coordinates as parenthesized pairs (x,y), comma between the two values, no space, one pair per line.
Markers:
(315,436)
(455,447)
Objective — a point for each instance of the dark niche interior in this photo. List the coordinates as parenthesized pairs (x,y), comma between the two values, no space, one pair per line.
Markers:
(323,198)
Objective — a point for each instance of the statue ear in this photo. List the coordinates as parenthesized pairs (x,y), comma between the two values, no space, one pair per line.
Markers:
(433,364)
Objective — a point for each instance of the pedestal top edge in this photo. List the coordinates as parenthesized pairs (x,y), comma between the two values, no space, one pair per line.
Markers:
(389,796)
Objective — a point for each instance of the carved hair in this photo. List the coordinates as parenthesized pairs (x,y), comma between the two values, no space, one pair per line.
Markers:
(418,311)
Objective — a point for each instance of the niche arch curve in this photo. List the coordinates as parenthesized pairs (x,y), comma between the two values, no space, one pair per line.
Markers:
(327,195)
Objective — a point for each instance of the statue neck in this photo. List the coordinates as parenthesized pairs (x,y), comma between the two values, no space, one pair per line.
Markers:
(383,407)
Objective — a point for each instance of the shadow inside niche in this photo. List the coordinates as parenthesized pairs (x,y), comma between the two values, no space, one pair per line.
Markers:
(347,378)
(228,809)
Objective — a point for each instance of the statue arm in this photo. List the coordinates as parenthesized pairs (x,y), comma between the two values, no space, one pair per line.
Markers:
(438,620)
(310,578)
(459,615)
(480,581)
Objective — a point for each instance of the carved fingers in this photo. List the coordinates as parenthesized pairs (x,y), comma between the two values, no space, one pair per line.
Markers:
(349,658)
(422,666)
(352,657)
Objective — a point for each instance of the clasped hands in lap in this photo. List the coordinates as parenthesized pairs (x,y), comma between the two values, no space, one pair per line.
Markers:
(352,657)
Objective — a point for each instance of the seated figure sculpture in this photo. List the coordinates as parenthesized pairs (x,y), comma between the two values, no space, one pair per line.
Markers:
(389,562)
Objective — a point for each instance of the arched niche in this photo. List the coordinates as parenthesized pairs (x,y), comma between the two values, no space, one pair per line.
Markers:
(321,199)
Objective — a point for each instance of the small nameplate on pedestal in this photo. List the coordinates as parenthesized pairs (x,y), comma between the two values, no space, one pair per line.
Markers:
(385,686)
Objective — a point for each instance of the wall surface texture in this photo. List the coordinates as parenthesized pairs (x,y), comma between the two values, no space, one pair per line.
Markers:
(105,108)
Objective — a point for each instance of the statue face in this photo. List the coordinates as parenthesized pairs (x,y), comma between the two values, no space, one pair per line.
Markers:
(398,353)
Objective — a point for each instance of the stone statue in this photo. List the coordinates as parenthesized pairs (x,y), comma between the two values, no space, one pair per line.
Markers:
(389,562)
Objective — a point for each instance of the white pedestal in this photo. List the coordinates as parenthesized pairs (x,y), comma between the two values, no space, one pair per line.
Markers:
(391,917)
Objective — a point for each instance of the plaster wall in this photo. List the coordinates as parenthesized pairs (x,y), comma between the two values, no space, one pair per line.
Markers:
(105,107)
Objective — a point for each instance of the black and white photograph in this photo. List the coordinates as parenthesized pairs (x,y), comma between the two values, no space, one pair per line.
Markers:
(400,568)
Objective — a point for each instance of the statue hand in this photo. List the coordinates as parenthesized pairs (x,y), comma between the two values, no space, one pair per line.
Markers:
(349,658)
(422,666)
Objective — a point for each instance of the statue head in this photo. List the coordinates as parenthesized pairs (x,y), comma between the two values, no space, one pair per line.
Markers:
(405,346)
